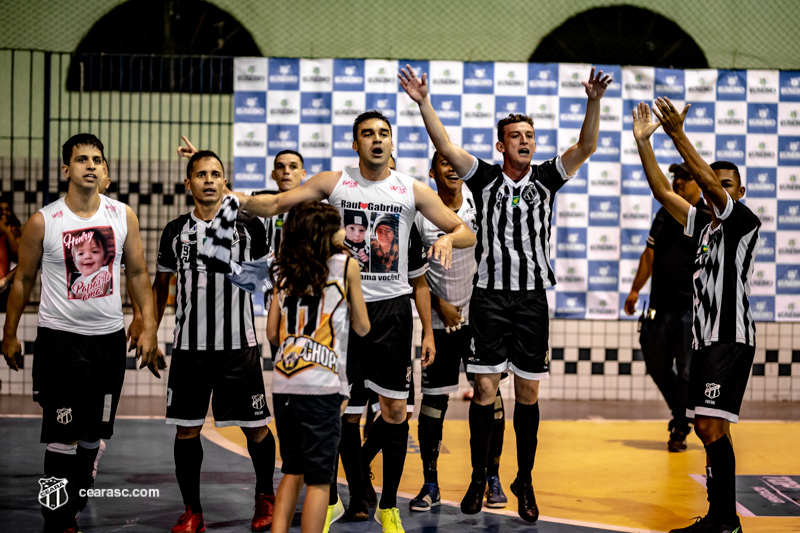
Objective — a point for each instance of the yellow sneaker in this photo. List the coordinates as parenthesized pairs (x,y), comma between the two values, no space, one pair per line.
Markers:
(389,519)
(335,512)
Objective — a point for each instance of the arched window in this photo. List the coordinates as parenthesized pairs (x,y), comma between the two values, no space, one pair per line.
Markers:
(620,35)
(161,45)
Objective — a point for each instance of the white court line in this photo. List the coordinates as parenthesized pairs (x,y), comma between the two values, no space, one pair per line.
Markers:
(770,485)
(211,434)
(742,510)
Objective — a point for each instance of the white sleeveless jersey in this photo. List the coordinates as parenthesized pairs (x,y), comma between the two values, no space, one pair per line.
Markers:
(377,216)
(312,358)
(81,268)
(454,285)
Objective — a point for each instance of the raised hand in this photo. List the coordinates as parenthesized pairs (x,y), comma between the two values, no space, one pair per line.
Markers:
(416,88)
(186,151)
(597,85)
(669,117)
(643,125)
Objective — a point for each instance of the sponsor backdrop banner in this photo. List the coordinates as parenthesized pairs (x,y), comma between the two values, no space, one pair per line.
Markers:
(603,215)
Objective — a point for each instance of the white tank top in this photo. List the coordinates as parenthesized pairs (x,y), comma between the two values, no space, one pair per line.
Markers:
(81,268)
(454,285)
(377,216)
(313,330)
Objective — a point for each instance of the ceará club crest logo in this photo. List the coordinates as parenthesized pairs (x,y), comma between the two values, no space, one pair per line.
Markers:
(712,390)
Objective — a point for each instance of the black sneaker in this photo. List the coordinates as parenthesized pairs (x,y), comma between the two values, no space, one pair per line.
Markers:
(677,438)
(526,501)
(473,499)
(369,490)
(728,529)
(357,511)
(701,525)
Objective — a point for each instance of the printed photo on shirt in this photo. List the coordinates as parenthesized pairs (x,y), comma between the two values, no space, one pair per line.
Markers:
(356,236)
(384,247)
(89,257)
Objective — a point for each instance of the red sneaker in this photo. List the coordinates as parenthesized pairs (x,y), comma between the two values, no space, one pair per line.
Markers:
(262,517)
(190,522)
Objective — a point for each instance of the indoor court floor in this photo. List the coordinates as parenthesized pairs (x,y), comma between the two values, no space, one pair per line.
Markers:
(600,466)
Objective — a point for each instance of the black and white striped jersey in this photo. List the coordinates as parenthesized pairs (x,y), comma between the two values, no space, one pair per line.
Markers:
(513,218)
(211,312)
(273,226)
(723,267)
(417,254)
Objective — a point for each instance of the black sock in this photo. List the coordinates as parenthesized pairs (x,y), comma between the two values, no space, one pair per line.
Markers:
(723,467)
(263,456)
(526,426)
(62,466)
(429,431)
(481,418)
(712,493)
(334,493)
(84,466)
(188,460)
(395,445)
(350,452)
(496,442)
(374,442)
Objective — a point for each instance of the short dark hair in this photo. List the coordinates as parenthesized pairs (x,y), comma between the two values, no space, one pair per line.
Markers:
(291,152)
(433,159)
(512,118)
(727,165)
(77,140)
(201,154)
(367,115)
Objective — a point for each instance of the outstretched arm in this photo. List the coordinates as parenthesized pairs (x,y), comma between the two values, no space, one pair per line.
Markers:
(643,128)
(699,169)
(318,187)
(417,89)
(458,234)
(576,154)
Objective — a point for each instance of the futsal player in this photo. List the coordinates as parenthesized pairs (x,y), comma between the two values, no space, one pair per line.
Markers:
(666,327)
(508,307)
(723,331)
(450,293)
(215,347)
(80,343)
(386,349)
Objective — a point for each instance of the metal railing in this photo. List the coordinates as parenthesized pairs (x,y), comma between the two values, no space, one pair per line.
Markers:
(139,106)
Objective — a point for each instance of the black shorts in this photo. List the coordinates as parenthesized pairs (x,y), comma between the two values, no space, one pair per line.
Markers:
(309,430)
(235,378)
(511,331)
(77,379)
(718,378)
(375,402)
(451,349)
(384,354)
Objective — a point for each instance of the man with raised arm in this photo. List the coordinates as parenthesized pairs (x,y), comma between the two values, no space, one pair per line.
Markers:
(723,330)
(510,322)
(78,242)
(388,200)
(666,323)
